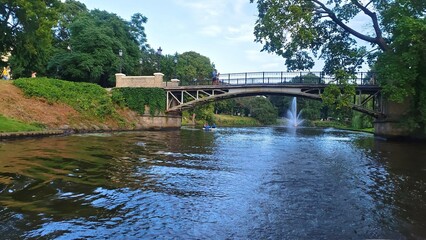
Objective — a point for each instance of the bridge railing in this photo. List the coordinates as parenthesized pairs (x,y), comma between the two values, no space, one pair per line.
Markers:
(251,78)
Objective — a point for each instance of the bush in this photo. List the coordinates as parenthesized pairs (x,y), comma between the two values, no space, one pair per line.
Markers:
(87,98)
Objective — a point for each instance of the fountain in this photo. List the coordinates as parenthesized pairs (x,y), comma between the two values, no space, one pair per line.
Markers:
(293,118)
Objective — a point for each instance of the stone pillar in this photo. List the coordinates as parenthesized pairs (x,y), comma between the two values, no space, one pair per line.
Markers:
(173,83)
(158,79)
(119,79)
(390,126)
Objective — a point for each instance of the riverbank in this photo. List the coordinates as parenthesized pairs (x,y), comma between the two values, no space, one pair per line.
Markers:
(224,121)
(339,125)
(35,115)
(12,135)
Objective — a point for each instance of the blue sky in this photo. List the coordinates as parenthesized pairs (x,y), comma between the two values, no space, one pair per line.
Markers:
(219,29)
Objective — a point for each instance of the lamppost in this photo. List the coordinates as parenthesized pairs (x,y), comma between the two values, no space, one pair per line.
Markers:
(120,54)
(175,60)
(159,52)
(141,62)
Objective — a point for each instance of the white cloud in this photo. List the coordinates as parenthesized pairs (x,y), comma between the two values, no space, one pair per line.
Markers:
(273,66)
(243,33)
(206,9)
(211,31)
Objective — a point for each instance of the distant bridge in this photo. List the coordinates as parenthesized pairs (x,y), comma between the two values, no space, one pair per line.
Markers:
(298,84)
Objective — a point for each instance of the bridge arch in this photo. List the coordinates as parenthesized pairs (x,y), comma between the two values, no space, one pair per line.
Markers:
(184,98)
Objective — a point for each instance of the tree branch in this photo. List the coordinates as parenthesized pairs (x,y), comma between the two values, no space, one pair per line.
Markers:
(378,40)
(369,3)
(6,18)
(362,57)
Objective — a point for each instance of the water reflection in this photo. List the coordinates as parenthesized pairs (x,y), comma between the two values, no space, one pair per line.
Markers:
(244,183)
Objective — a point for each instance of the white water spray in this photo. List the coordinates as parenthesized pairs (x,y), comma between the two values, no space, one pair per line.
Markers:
(293,118)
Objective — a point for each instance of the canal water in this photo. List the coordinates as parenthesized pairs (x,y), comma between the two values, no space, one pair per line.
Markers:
(232,183)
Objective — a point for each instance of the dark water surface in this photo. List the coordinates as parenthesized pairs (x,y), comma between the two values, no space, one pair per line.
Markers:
(233,183)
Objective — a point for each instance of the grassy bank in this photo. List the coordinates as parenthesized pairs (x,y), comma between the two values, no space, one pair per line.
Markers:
(226,121)
(35,104)
(11,125)
(235,121)
(339,125)
(89,99)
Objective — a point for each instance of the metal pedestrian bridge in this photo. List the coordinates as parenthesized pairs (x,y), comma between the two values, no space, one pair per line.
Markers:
(310,85)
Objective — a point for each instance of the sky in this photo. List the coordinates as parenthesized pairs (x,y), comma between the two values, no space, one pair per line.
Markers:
(221,30)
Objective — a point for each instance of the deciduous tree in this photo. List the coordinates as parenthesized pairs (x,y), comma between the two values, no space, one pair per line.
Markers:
(25,28)
(93,45)
(394,43)
(192,65)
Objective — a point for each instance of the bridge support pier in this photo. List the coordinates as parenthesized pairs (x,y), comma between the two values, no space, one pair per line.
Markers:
(390,127)
(160,122)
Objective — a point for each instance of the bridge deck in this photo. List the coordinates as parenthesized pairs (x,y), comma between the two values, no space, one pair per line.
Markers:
(363,88)
(308,85)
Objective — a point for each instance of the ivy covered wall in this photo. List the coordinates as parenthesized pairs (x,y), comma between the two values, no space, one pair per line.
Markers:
(137,98)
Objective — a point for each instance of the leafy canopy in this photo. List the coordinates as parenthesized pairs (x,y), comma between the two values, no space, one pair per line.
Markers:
(392,41)
(192,65)
(94,40)
(294,28)
(25,28)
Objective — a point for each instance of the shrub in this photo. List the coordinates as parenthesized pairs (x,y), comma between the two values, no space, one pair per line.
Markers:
(87,98)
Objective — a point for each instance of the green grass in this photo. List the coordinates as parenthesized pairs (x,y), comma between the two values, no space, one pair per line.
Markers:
(89,99)
(10,125)
(235,121)
(226,121)
(339,125)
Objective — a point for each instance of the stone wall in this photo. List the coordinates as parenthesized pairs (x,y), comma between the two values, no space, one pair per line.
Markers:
(160,122)
(139,81)
(121,80)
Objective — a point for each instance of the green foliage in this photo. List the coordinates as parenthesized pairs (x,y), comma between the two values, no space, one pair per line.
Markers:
(402,70)
(11,125)
(228,106)
(88,46)
(340,95)
(261,109)
(311,109)
(307,78)
(192,65)
(340,125)
(397,40)
(361,121)
(299,61)
(334,124)
(88,99)
(203,113)
(300,30)
(25,28)
(137,29)
(235,121)
(137,98)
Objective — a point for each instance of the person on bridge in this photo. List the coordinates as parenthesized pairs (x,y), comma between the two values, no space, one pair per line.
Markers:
(215,77)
